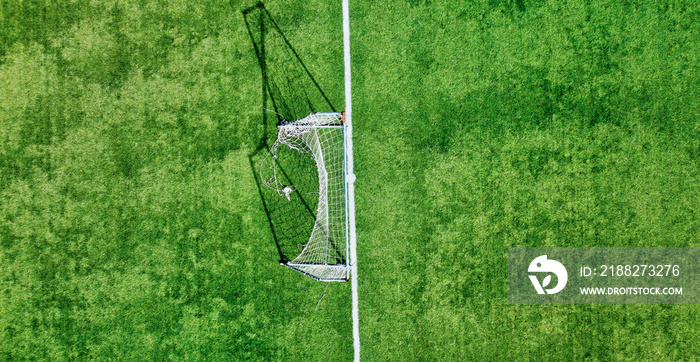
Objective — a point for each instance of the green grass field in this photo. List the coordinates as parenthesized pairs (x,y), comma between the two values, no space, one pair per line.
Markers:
(132,225)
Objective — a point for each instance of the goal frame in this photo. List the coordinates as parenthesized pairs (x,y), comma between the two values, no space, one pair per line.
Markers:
(303,267)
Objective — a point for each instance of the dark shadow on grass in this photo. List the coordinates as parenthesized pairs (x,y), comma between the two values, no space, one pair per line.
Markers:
(289,92)
(292,89)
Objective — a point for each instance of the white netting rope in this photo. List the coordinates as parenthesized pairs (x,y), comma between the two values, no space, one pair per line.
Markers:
(319,135)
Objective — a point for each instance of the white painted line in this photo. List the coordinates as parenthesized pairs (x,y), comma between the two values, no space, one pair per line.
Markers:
(350,179)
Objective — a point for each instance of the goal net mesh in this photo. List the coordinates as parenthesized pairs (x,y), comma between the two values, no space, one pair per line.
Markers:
(319,136)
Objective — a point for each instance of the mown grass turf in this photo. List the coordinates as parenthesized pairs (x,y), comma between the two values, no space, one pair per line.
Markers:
(132,225)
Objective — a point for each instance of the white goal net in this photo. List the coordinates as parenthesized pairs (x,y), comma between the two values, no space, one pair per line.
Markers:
(320,136)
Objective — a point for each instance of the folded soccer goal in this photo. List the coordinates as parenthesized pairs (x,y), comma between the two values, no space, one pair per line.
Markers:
(319,136)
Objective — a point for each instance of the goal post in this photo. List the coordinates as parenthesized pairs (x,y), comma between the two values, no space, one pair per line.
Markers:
(320,136)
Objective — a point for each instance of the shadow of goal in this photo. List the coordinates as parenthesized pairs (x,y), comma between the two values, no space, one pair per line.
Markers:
(299,162)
